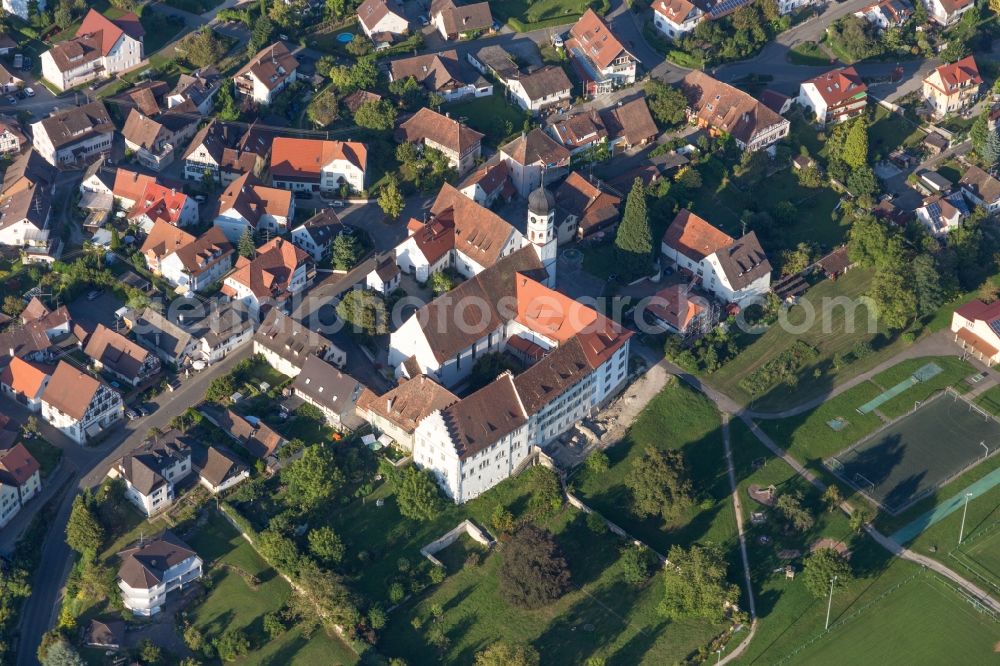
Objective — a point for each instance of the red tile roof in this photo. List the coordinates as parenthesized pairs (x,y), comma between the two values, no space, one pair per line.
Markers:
(307,157)
(694,237)
(24,377)
(95,22)
(838,85)
(596,39)
(17,465)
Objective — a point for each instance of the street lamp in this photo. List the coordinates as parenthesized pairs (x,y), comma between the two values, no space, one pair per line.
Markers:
(829,604)
(965,510)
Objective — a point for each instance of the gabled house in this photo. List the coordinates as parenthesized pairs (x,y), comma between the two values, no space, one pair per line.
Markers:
(24,216)
(29,169)
(441,73)
(37,338)
(952,88)
(598,56)
(218,470)
(197,89)
(19,481)
(539,89)
(255,436)
(947,12)
(331,391)
(154,141)
(112,352)
(942,214)
(461,144)
(886,14)
(676,18)
(733,270)
(530,156)
(579,132)
(129,186)
(224,152)
(152,569)
(198,263)
(398,411)
(74,134)
(267,74)
(584,208)
(80,405)
(105,634)
(25,381)
(981,188)
(278,272)
(835,96)
(152,470)
(102,48)
(286,344)
(629,125)
(385,276)
(162,240)
(727,110)
(147,97)
(227,327)
(316,235)
(315,165)
(248,204)
(460,21)
(382,20)
(163,337)
(488,183)
(163,204)
(12,138)
(675,310)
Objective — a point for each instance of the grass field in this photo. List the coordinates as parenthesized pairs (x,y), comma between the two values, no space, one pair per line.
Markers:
(231,602)
(981,552)
(547,12)
(194,6)
(494,116)
(923,622)
(889,131)
(681,419)
(48,456)
(602,616)
(809,54)
(832,335)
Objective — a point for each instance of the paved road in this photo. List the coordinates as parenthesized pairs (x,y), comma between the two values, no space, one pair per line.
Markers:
(91,465)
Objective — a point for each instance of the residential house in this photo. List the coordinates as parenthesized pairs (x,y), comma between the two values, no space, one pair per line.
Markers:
(584,208)
(443,74)
(27,170)
(80,405)
(247,204)
(279,271)
(461,144)
(154,141)
(163,240)
(460,234)
(316,235)
(198,263)
(835,96)
(152,471)
(886,14)
(382,20)
(947,12)
(315,165)
(255,436)
(579,132)
(489,183)
(267,74)
(943,213)
(286,344)
(629,125)
(439,341)
(163,337)
(677,311)
(197,89)
(676,18)
(494,60)
(105,634)
(975,327)
(952,87)
(101,48)
(385,276)
(981,188)
(354,100)
(24,382)
(147,96)
(24,216)
(540,88)
(530,156)
(218,470)
(152,569)
(733,270)
(74,134)
(598,56)
(163,204)
(398,411)
(41,333)
(12,138)
(224,152)
(112,352)
(20,480)
(727,110)
(331,391)
(129,186)
(227,327)
(460,21)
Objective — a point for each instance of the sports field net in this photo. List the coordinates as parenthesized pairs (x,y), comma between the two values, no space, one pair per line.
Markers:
(914,455)
(922,374)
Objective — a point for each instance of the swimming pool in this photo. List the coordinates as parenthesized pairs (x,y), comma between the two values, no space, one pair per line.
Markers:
(345,37)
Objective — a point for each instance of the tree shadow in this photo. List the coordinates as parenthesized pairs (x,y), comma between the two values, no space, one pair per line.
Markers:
(586,626)
(638,646)
(286,655)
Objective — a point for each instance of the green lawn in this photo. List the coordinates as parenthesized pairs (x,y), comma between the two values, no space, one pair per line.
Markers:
(832,335)
(494,116)
(529,15)
(990,400)
(601,260)
(231,602)
(679,418)
(48,456)
(953,371)
(809,54)
(889,131)
(194,6)
(923,622)
(601,616)
(160,30)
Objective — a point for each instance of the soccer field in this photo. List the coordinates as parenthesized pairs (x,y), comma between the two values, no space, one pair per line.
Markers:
(981,554)
(914,455)
(922,623)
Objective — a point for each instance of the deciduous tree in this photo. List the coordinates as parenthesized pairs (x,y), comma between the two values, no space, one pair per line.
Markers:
(314,477)
(417,494)
(346,251)
(821,568)
(533,572)
(659,484)
(390,199)
(696,585)
(326,545)
(365,310)
(376,114)
(789,504)
(503,653)
(204,48)
(667,103)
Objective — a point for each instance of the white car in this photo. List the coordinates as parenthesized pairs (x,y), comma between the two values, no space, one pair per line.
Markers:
(29,92)
(337,203)
(557,41)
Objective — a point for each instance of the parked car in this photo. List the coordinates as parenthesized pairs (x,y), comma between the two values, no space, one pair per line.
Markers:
(11,99)
(26,63)
(94,295)
(174,385)
(337,203)
(423,20)
(131,414)
(303,195)
(557,41)
(29,92)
